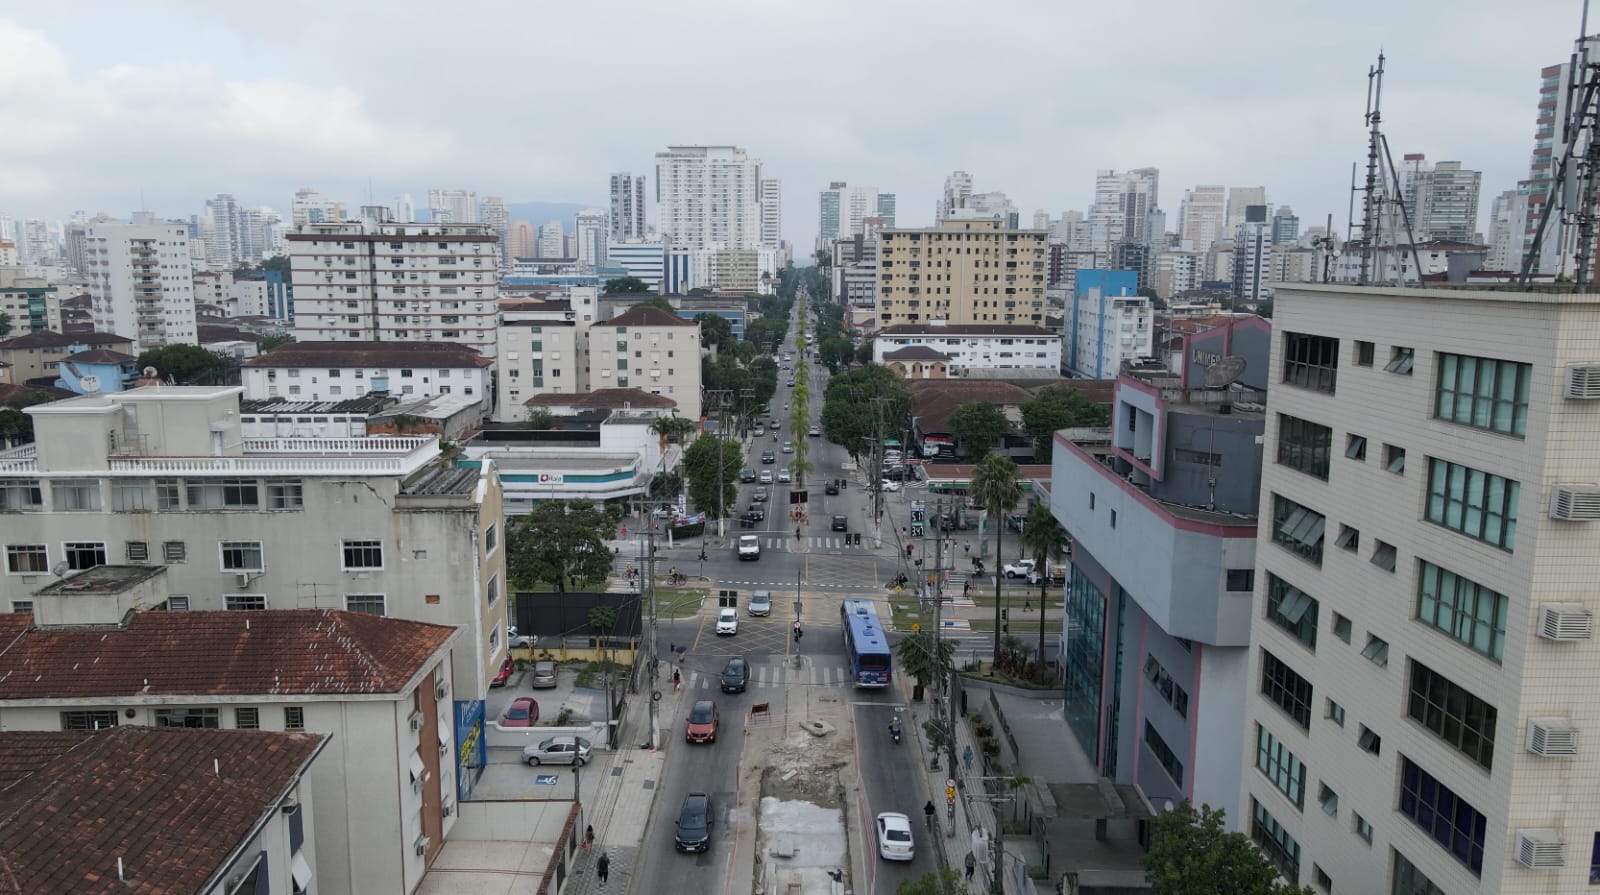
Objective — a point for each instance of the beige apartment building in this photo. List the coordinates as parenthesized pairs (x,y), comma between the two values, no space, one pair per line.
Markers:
(647,348)
(965,271)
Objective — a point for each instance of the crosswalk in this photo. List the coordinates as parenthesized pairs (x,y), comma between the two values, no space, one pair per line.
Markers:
(769,677)
(798,545)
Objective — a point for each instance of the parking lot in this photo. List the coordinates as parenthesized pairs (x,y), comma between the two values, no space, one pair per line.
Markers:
(505,776)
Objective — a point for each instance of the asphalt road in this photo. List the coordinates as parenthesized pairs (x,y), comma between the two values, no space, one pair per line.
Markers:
(891,781)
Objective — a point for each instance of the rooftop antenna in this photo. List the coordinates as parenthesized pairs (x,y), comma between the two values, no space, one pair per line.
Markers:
(1576,177)
(1369,200)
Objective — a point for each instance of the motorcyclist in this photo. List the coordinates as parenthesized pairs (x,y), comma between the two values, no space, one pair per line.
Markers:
(894,728)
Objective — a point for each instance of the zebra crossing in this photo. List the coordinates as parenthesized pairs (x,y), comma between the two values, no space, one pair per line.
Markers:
(796,545)
(771,677)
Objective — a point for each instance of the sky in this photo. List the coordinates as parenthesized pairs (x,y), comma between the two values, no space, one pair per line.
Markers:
(160,105)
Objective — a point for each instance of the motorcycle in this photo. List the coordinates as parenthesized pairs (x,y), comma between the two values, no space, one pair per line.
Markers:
(894,731)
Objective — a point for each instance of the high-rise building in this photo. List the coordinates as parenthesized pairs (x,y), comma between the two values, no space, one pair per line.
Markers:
(1108,325)
(1423,734)
(993,204)
(141,281)
(957,190)
(496,215)
(405,209)
(1285,226)
(453,206)
(886,208)
(987,274)
(381,281)
(843,209)
(593,233)
(1506,216)
(1549,147)
(771,212)
(311,207)
(1202,218)
(223,241)
(523,240)
(1239,199)
(830,213)
(708,197)
(1252,252)
(627,207)
(1446,204)
(553,240)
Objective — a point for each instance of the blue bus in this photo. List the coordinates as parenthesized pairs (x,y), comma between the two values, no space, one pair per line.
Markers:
(865,644)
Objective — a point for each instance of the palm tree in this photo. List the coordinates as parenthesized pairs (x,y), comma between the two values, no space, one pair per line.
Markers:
(995,490)
(1042,536)
(669,427)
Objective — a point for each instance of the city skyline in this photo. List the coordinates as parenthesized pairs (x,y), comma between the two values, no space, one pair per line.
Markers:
(236,107)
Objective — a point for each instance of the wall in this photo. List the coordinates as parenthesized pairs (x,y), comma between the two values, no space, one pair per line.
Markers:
(524,820)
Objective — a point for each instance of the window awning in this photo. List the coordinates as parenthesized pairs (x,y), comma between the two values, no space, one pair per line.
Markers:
(1294,605)
(417,767)
(301,871)
(444,734)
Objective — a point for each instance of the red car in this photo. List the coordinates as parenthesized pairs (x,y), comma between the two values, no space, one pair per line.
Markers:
(524,712)
(702,722)
(504,674)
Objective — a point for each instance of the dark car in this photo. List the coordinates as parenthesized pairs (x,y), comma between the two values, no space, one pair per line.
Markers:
(747,474)
(693,833)
(757,513)
(841,522)
(769,457)
(832,487)
(735,676)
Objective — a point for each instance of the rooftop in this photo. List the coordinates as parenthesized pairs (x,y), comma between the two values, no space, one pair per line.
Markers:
(646,315)
(366,404)
(101,356)
(45,338)
(172,805)
(965,329)
(440,480)
(915,352)
(612,398)
(102,580)
(370,354)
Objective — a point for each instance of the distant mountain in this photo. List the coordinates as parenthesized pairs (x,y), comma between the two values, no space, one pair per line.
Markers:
(541,213)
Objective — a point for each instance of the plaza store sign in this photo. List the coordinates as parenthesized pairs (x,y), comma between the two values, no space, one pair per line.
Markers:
(552,478)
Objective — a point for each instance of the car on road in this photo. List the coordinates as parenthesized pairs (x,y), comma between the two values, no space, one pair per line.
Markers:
(887,485)
(735,676)
(1022,568)
(831,488)
(747,475)
(766,477)
(791,383)
(894,837)
(665,511)
(760,603)
(693,832)
(759,430)
(523,712)
(757,512)
(504,674)
(761,494)
(727,621)
(703,720)
(544,675)
(749,547)
(783,475)
(558,750)
(774,424)
(769,457)
(841,522)
(788,447)
(814,432)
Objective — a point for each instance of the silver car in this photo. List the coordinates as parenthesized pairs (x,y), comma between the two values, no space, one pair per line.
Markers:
(558,750)
(760,603)
(544,675)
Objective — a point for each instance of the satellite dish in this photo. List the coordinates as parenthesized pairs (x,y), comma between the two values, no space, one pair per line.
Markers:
(90,384)
(60,569)
(149,372)
(1223,372)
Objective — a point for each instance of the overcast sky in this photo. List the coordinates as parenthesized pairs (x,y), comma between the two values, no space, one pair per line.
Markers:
(102,103)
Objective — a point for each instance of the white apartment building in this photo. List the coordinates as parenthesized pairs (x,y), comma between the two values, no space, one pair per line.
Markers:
(1423,659)
(708,196)
(1252,261)
(542,350)
(649,349)
(1202,218)
(311,207)
(338,371)
(496,215)
(1109,324)
(593,238)
(974,347)
(643,261)
(1177,272)
(771,213)
(163,476)
(374,281)
(627,207)
(553,240)
(453,206)
(141,282)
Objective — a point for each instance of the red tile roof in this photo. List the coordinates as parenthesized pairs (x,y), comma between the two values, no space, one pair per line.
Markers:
(45,338)
(603,398)
(312,652)
(647,315)
(172,804)
(370,354)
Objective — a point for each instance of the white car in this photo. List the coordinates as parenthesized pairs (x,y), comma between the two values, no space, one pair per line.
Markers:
(888,485)
(814,432)
(1022,568)
(788,447)
(749,547)
(783,475)
(766,477)
(728,621)
(894,837)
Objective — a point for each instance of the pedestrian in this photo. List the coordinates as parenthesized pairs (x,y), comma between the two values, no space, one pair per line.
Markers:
(603,867)
(966,549)
(972,865)
(1027,605)
(966,757)
(588,836)
(966,588)
(677,679)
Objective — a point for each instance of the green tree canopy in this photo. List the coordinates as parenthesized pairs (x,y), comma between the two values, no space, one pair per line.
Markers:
(273,341)
(541,418)
(919,659)
(186,364)
(849,411)
(5,324)
(835,352)
(559,544)
(627,286)
(1046,541)
(864,352)
(976,425)
(767,333)
(16,427)
(1191,854)
(995,490)
(715,332)
(937,882)
(1058,407)
(710,463)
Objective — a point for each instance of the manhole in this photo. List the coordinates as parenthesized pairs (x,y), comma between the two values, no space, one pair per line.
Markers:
(649,784)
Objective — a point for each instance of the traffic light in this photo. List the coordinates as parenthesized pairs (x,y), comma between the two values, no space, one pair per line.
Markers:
(1005,613)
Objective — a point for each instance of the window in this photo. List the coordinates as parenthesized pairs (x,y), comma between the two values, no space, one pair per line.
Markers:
(491,538)
(1304,445)
(177,603)
(1376,651)
(294,717)
(89,719)
(167,497)
(82,555)
(1468,611)
(493,589)
(1297,528)
(1383,556)
(1341,627)
(1113,518)
(27,559)
(1483,393)
(371,604)
(285,495)
(1170,690)
(1362,828)
(129,496)
(244,601)
(241,556)
(1290,691)
(24,494)
(224,494)
(1400,361)
(1280,766)
(174,552)
(1594,861)
(363,554)
(1364,354)
(75,495)
(1453,714)
(1164,754)
(1091,500)
(1275,842)
(1477,504)
(1356,447)
(1334,713)
(1241,579)
(1181,455)
(247,718)
(1394,459)
(1324,881)
(1369,741)
(1310,361)
(209,719)
(1349,538)
(1458,827)
(137,551)
(1292,609)
(1329,800)
(1408,880)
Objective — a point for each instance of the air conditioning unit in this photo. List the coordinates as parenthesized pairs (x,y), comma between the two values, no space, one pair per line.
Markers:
(422,845)
(1583,382)
(447,809)
(1552,737)
(1565,621)
(1575,503)
(441,690)
(416,720)
(242,579)
(1541,849)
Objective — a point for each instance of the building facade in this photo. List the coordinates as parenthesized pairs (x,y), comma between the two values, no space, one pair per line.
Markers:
(627,207)
(1109,324)
(771,213)
(31,303)
(542,351)
(453,206)
(594,238)
(964,271)
(141,282)
(967,349)
(496,216)
(709,196)
(649,349)
(643,260)
(337,371)
(1203,217)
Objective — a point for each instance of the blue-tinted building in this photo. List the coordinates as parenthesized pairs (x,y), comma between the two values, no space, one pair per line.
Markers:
(1108,324)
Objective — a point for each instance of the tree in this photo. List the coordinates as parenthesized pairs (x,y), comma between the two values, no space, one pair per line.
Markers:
(919,659)
(671,428)
(5,324)
(835,352)
(864,352)
(1055,408)
(627,286)
(560,544)
(976,426)
(712,463)
(715,332)
(602,620)
(185,364)
(1190,854)
(1044,539)
(937,882)
(279,263)
(541,418)
(995,490)
(849,414)
(273,341)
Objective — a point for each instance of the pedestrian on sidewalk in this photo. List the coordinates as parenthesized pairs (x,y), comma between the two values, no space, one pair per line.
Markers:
(972,865)
(603,867)
(588,836)
(966,757)
(1027,605)
(966,589)
(677,679)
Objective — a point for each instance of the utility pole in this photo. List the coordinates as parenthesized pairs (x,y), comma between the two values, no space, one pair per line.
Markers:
(875,474)
(719,397)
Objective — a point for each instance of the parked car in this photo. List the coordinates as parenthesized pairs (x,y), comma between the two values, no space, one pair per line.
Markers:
(728,621)
(703,721)
(783,475)
(693,832)
(504,674)
(894,836)
(841,522)
(1022,568)
(749,547)
(558,750)
(760,603)
(735,676)
(520,641)
(747,475)
(544,675)
(523,712)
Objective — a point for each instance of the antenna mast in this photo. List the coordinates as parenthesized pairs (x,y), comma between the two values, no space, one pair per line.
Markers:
(1369,204)
(1577,176)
